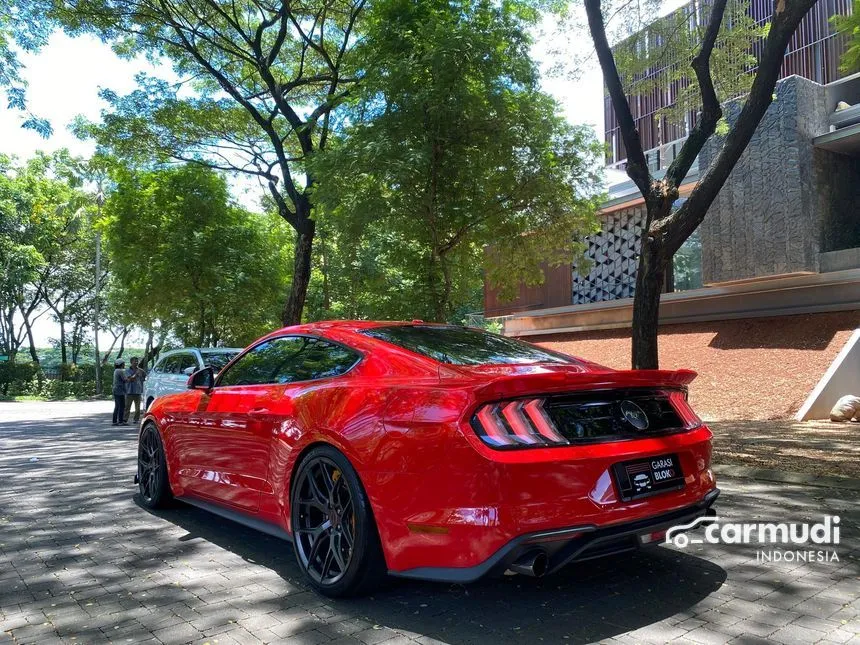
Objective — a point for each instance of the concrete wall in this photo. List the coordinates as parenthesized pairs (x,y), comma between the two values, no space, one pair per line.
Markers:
(841,378)
(767,218)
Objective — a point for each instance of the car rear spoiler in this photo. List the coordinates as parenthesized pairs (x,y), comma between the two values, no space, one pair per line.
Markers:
(517,385)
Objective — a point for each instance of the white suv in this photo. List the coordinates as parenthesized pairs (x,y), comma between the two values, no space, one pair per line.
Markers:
(170,374)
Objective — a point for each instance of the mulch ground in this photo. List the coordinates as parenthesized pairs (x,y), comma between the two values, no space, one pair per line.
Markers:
(819,448)
(759,368)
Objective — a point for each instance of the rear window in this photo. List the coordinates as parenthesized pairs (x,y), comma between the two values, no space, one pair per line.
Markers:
(464,346)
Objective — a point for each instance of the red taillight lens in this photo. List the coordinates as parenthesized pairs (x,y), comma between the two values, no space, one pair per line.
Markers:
(678,399)
(516,423)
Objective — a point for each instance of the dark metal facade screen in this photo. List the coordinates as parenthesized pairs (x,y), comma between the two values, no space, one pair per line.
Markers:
(612,255)
(814,53)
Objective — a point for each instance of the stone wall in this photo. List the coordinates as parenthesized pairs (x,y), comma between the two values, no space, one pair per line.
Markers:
(784,203)
(767,218)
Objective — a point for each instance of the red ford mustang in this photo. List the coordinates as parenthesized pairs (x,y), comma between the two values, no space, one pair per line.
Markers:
(430,451)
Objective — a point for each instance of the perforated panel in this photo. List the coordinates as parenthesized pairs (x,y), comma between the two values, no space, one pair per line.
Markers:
(614,257)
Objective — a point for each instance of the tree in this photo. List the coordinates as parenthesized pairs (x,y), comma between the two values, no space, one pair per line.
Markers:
(850,24)
(449,145)
(20,262)
(186,261)
(41,219)
(705,46)
(266,78)
(24,26)
(69,288)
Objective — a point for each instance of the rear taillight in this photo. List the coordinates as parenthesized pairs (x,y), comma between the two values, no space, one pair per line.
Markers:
(516,423)
(678,399)
(583,417)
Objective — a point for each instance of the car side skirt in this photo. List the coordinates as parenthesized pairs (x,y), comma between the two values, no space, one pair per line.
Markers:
(238,517)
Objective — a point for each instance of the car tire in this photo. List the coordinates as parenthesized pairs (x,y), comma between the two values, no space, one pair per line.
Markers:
(152,479)
(335,538)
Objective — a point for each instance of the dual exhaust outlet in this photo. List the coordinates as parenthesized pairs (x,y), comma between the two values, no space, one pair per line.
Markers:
(533,564)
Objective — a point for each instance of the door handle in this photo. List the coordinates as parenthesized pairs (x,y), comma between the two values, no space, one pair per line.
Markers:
(258,412)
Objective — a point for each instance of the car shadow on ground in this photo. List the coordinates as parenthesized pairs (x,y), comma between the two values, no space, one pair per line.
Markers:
(586,602)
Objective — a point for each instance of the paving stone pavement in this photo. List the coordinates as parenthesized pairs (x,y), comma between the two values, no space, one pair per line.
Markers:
(82,562)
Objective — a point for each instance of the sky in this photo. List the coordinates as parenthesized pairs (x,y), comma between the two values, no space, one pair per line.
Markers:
(64,79)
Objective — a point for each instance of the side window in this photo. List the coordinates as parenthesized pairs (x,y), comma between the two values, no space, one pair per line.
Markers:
(186,360)
(321,359)
(290,359)
(263,363)
(169,365)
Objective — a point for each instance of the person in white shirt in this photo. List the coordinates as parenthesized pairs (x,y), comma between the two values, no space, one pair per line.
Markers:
(846,409)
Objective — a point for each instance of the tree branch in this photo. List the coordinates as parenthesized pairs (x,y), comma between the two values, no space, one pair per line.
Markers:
(637,166)
(678,226)
(711,110)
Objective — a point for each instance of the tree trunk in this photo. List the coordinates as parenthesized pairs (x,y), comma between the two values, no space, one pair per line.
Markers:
(326,295)
(106,355)
(646,305)
(201,337)
(672,228)
(443,304)
(63,356)
(122,343)
(152,348)
(32,342)
(433,287)
(292,314)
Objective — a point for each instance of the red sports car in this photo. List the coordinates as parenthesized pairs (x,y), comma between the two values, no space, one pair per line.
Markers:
(430,451)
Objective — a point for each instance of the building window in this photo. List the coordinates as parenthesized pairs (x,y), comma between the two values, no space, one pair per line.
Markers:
(687,264)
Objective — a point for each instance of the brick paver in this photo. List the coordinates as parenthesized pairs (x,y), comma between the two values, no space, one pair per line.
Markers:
(82,562)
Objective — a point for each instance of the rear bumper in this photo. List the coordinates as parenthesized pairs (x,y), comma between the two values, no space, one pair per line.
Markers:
(566,545)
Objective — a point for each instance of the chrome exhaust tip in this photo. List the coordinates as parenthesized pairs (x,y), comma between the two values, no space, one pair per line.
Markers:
(533,564)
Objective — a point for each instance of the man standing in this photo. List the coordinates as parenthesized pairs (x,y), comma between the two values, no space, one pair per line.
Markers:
(119,386)
(135,376)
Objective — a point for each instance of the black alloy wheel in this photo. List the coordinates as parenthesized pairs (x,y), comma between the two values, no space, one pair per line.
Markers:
(334,534)
(152,469)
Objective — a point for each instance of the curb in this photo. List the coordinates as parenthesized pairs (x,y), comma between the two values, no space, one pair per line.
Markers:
(786,477)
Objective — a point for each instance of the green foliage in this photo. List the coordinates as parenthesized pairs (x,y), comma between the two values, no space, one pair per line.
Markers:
(24,26)
(850,25)
(27,379)
(261,83)
(671,43)
(44,238)
(14,374)
(449,146)
(183,256)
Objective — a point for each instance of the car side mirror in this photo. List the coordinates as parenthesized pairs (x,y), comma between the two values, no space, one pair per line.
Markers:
(188,371)
(202,379)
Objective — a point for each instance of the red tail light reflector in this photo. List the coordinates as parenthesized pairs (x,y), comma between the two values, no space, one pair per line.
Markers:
(516,423)
(513,415)
(544,425)
(495,434)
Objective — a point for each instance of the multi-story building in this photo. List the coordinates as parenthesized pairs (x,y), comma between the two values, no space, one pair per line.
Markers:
(777,258)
